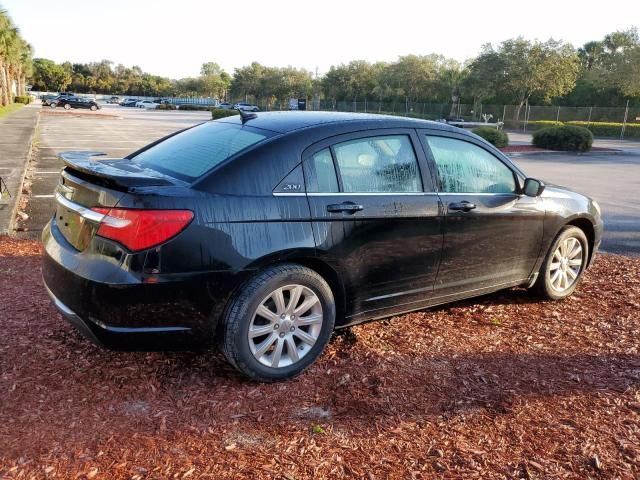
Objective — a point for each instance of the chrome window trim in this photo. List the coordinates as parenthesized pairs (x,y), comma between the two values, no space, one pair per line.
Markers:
(368,194)
(514,194)
(84,212)
(382,194)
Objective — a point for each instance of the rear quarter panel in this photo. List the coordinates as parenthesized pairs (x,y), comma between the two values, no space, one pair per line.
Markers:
(229,233)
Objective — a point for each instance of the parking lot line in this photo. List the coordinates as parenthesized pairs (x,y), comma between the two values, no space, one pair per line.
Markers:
(114,141)
(76,146)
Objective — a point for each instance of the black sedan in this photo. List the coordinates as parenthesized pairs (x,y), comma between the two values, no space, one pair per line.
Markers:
(75,102)
(268,231)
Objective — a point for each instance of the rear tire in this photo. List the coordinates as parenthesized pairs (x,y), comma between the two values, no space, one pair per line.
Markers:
(279,323)
(564,264)
(93,108)
(67,106)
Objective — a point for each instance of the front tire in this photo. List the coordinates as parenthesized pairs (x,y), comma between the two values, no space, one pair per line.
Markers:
(93,108)
(564,264)
(279,323)
(67,106)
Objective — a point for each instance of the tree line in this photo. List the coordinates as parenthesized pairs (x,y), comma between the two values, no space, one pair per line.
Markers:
(517,71)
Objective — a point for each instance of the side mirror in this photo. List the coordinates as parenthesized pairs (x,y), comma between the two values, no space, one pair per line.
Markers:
(533,187)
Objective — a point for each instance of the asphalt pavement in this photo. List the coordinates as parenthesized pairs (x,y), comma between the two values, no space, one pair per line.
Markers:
(612,179)
(114,130)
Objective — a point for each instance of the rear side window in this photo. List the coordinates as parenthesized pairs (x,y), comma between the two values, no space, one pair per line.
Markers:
(385,164)
(466,168)
(321,173)
(192,153)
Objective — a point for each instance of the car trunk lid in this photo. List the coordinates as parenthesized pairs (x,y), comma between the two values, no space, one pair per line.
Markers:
(86,183)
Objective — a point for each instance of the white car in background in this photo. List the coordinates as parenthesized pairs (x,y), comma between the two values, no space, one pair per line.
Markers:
(246,107)
(147,104)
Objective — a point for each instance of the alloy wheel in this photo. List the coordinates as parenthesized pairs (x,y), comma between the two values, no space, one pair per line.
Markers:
(285,326)
(566,264)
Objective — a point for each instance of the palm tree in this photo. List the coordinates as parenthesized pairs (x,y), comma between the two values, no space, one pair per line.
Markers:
(25,67)
(5,24)
(15,59)
(12,58)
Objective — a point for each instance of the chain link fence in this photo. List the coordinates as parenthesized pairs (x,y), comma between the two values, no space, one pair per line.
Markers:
(618,122)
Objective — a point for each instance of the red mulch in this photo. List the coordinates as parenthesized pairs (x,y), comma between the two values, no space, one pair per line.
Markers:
(504,386)
(531,148)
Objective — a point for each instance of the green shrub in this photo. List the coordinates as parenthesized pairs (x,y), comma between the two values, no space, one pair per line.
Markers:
(599,129)
(496,137)
(565,137)
(166,106)
(532,125)
(221,113)
(538,124)
(26,99)
(193,107)
(610,129)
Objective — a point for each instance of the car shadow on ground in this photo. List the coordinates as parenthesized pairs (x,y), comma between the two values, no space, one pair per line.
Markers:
(354,385)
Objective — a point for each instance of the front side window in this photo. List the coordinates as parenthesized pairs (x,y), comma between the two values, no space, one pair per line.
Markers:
(190,154)
(466,168)
(385,164)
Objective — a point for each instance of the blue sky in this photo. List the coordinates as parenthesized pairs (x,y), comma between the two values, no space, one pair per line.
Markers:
(173,38)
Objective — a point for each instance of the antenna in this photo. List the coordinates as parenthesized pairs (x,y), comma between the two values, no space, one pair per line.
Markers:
(246,116)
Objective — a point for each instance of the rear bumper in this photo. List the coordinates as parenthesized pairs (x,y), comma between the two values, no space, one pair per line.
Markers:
(125,338)
(73,318)
(119,309)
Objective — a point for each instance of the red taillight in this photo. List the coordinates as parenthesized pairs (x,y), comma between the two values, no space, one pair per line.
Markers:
(141,229)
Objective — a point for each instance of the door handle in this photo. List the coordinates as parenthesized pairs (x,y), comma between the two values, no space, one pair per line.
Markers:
(347,207)
(463,206)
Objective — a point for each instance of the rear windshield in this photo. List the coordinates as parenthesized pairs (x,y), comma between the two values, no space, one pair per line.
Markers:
(192,153)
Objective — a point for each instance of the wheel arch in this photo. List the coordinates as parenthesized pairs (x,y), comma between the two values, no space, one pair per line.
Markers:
(588,228)
(332,277)
(308,259)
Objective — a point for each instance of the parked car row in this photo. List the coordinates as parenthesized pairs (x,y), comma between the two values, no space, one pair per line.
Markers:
(48,100)
(135,102)
(153,104)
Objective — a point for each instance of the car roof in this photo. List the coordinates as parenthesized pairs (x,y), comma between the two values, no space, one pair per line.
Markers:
(287,121)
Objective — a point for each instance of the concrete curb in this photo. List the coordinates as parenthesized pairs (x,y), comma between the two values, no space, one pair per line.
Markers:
(14,211)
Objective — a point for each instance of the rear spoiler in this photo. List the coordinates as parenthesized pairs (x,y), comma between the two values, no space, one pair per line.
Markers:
(119,172)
